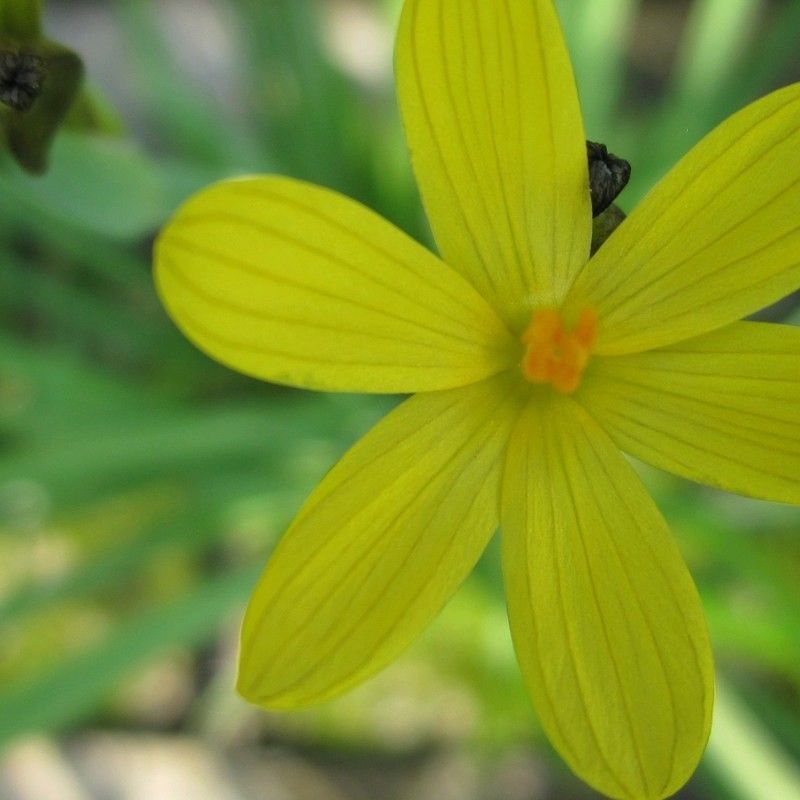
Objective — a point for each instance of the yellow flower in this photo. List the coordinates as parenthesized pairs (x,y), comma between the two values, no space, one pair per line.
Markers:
(533,369)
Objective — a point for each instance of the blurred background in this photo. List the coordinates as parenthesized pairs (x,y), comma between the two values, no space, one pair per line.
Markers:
(142,486)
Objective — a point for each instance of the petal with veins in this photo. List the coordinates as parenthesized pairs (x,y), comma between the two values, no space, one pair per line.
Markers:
(494,126)
(606,622)
(379,546)
(299,285)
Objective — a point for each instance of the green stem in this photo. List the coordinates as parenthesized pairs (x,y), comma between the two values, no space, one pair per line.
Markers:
(604,225)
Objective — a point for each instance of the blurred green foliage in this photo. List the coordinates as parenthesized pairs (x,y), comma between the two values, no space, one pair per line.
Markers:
(142,486)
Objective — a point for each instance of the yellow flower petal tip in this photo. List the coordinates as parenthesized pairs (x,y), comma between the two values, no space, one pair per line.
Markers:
(556,354)
(380,546)
(606,621)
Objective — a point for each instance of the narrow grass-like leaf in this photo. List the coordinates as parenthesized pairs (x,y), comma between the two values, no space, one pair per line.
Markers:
(74,687)
(745,755)
(180,109)
(714,38)
(597,34)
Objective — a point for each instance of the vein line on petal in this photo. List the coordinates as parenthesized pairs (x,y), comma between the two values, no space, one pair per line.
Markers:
(441,286)
(523,150)
(656,560)
(733,373)
(413,26)
(192,287)
(689,399)
(747,289)
(621,434)
(599,505)
(554,221)
(527,561)
(305,565)
(561,447)
(251,269)
(618,435)
(198,331)
(683,188)
(468,158)
(411,507)
(650,287)
(739,429)
(683,383)
(501,176)
(568,628)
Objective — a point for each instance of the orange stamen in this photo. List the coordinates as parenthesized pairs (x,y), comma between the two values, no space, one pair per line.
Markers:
(555,355)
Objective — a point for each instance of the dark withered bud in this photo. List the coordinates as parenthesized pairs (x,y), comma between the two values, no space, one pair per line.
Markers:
(40,83)
(21,77)
(608,176)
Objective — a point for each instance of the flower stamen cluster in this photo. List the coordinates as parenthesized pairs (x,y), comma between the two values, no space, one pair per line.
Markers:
(555,354)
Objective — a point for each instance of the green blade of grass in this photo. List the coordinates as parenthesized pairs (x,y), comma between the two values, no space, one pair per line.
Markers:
(713,41)
(99,184)
(745,755)
(597,33)
(75,687)
(182,112)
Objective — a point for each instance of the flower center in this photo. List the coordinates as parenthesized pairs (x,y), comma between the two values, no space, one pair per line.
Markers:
(554,354)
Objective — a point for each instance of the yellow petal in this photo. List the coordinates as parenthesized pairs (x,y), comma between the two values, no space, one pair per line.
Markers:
(722,409)
(717,239)
(493,123)
(299,285)
(606,622)
(379,547)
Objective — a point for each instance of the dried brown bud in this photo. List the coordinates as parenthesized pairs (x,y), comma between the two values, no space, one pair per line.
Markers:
(608,176)
(21,77)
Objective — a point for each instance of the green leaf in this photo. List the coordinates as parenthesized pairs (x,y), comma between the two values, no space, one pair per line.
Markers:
(100,184)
